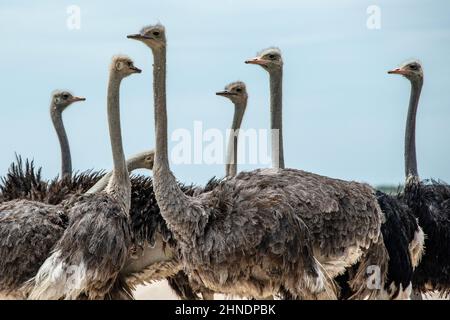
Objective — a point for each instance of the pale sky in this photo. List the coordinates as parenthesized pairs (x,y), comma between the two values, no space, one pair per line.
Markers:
(344,117)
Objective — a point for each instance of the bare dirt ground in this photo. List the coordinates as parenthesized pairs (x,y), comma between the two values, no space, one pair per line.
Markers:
(161,291)
(155,291)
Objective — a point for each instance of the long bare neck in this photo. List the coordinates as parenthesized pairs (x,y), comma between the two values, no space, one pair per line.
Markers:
(66,159)
(120,181)
(410,132)
(276,118)
(231,165)
(162,175)
(174,204)
(159,95)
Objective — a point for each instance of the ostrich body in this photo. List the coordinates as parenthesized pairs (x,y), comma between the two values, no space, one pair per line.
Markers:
(94,247)
(428,200)
(404,239)
(28,231)
(243,236)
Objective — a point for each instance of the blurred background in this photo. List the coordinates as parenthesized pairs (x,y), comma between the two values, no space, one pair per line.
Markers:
(344,117)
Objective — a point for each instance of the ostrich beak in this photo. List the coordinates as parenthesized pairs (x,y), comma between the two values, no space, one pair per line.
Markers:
(138,36)
(75,99)
(397,71)
(225,93)
(136,70)
(256,60)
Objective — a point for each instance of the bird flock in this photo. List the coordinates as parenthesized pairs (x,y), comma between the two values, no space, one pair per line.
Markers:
(270,233)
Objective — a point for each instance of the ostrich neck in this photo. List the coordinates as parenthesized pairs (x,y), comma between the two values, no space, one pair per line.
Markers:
(410,133)
(175,206)
(276,117)
(66,160)
(120,181)
(159,93)
(231,165)
(133,163)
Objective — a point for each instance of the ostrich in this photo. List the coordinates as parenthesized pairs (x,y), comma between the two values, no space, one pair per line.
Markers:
(428,200)
(60,101)
(243,236)
(401,233)
(95,245)
(26,182)
(237,93)
(157,259)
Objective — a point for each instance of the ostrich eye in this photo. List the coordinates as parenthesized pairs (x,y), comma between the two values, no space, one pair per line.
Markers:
(130,64)
(65,96)
(272,56)
(148,159)
(239,90)
(413,66)
(156,33)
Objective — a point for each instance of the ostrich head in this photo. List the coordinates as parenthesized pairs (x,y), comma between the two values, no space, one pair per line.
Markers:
(123,66)
(270,59)
(154,36)
(411,70)
(143,160)
(62,99)
(236,92)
